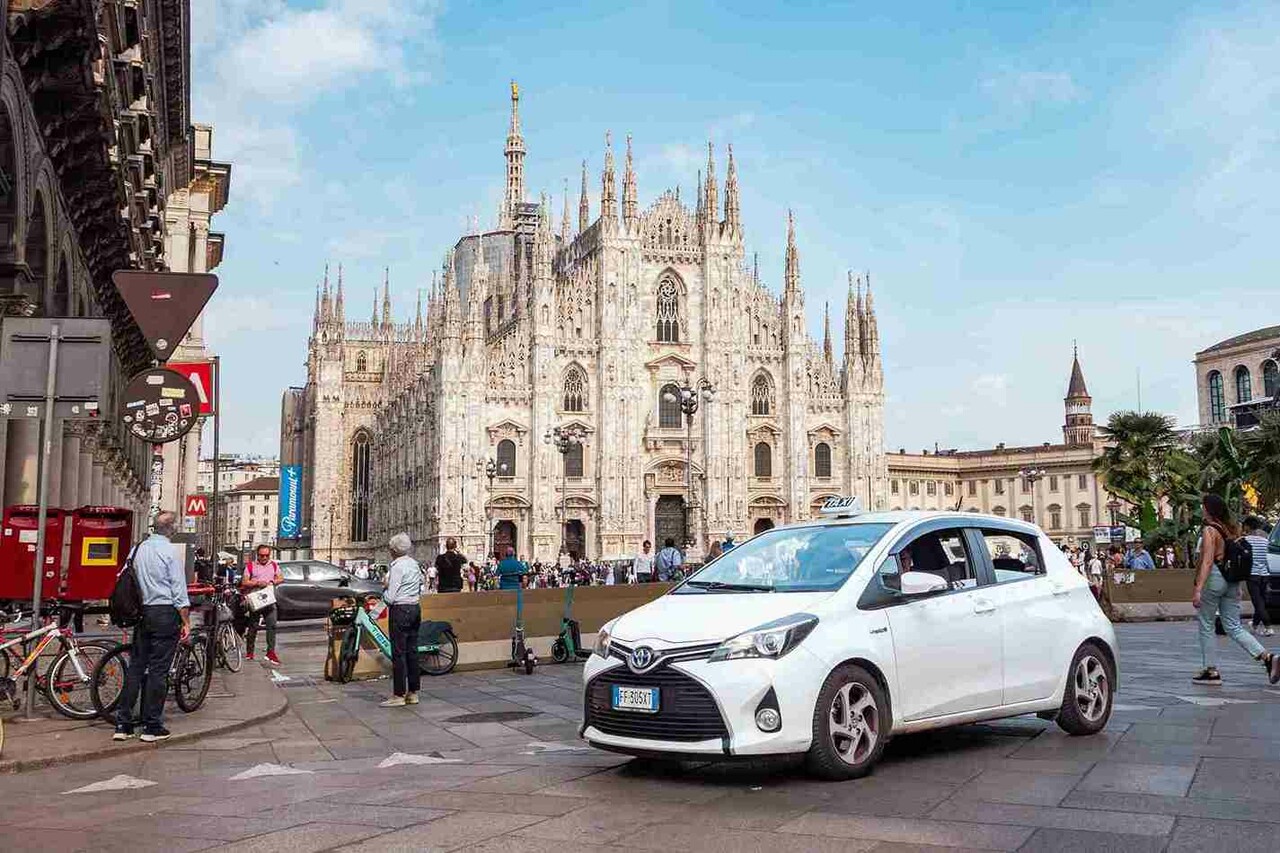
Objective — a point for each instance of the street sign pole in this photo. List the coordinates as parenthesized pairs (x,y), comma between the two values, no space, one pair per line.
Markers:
(217,418)
(42,515)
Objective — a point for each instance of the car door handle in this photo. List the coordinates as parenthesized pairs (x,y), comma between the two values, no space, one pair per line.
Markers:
(981,605)
(1059,589)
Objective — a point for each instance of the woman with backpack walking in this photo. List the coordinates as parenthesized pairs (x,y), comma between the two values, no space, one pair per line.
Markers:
(1217,591)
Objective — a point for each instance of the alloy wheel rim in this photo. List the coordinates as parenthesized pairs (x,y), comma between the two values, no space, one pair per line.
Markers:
(854,723)
(1092,690)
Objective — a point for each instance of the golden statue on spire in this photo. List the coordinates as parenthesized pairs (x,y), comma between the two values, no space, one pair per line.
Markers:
(515,91)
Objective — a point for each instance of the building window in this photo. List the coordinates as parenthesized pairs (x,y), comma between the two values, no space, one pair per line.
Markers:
(668,311)
(1217,402)
(999,510)
(931,487)
(506,458)
(973,487)
(251,521)
(893,489)
(1270,379)
(1026,486)
(1086,515)
(573,461)
(575,390)
(1027,515)
(914,487)
(1082,481)
(360,473)
(822,460)
(764,460)
(1055,517)
(999,487)
(1053,482)
(669,407)
(362,362)
(1244,385)
(949,489)
(761,395)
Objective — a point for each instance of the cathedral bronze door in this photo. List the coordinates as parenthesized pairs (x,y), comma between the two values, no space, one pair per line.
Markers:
(575,535)
(668,521)
(504,536)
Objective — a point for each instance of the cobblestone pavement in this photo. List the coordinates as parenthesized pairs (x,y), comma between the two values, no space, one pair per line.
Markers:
(1179,768)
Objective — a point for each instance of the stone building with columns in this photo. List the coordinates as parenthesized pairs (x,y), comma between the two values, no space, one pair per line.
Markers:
(592,326)
(95,135)
(1060,491)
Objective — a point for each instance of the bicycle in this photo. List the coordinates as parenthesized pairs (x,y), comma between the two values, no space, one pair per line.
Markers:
(189,676)
(230,645)
(65,684)
(437,644)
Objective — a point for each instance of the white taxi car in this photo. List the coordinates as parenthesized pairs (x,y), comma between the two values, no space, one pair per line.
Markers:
(829,637)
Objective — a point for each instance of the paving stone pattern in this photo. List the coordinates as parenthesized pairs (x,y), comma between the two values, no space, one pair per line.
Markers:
(1180,768)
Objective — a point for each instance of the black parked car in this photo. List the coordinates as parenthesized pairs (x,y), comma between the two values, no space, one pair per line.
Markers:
(311,585)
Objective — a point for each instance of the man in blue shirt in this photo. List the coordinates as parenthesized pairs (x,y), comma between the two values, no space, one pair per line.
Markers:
(510,570)
(1139,559)
(669,560)
(165,619)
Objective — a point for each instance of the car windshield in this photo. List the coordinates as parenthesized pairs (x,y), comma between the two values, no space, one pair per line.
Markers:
(798,559)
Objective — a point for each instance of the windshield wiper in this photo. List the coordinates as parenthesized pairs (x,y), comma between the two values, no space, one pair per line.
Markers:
(741,587)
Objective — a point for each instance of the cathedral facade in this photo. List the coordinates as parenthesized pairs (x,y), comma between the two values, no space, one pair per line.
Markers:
(597,331)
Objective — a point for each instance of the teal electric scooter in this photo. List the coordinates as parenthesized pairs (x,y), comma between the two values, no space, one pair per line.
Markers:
(568,646)
(522,655)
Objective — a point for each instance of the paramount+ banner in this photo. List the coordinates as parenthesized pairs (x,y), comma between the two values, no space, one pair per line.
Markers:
(290,501)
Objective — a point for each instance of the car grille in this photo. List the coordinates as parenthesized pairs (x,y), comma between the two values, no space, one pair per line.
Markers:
(686,710)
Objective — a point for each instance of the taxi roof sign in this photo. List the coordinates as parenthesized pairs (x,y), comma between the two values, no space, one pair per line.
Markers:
(848,505)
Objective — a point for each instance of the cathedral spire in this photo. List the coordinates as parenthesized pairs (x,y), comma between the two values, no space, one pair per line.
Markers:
(698,209)
(853,323)
(417,320)
(630,213)
(826,334)
(791,272)
(374,318)
(515,161)
(608,188)
(315,315)
(873,327)
(564,218)
(339,310)
(386,296)
(732,211)
(711,203)
(326,309)
(584,204)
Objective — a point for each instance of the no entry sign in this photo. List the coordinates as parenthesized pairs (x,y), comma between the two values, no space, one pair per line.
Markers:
(201,375)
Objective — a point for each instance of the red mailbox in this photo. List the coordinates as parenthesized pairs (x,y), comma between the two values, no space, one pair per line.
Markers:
(18,552)
(101,537)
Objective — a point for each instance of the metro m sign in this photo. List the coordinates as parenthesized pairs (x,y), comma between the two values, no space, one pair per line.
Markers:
(196,505)
(201,375)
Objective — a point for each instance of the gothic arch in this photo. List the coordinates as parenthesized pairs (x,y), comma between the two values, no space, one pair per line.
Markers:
(670,307)
(10,181)
(361,483)
(35,251)
(763,398)
(575,388)
(60,301)
(362,362)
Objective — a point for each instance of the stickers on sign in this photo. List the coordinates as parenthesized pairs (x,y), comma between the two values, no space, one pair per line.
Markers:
(91,406)
(33,411)
(185,410)
(27,535)
(176,393)
(166,402)
(155,379)
(135,404)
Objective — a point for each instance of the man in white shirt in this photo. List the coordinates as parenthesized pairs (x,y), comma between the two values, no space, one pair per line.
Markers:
(643,565)
(404,615)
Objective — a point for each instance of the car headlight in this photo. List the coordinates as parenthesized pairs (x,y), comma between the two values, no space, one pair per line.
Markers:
(771,640)
(603,641)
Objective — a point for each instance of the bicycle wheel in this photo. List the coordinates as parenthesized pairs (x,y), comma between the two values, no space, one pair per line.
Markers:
(66,691)
(349,654)
(192,676)
(441,658)
(6,666)
(107,682)
(230,651)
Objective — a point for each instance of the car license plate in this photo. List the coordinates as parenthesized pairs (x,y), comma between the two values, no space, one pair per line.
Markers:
(644,699)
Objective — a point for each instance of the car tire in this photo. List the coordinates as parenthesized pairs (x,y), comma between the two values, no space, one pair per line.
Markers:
(1090,693)
(851,723)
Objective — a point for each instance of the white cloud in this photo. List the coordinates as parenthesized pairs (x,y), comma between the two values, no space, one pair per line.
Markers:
(1020,89)
(258,65)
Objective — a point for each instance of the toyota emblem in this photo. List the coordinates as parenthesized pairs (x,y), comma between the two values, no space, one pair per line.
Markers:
(642,658)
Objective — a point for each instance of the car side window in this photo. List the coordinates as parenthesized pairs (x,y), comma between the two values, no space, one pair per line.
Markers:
(291,572)
(1014,556)
(942,553)
(319,573)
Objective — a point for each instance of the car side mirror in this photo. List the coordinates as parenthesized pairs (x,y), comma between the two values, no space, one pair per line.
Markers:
(344,581)
(921,583)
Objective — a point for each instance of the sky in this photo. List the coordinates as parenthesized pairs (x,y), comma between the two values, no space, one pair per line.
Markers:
(1017,178)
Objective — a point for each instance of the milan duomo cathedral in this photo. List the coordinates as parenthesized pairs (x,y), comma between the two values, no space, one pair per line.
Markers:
(441,426)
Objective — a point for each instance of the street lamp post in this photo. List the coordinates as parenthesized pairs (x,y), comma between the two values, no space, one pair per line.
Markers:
(688,398)
(1113,506)
(1033,475)
(563,440)
(491,470)
(331,510)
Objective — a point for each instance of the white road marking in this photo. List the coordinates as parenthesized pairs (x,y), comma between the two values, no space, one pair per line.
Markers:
(1216,701)
(115,783)
(277,676)
(538,747)
(409,758)
(268,770)
(1119,707)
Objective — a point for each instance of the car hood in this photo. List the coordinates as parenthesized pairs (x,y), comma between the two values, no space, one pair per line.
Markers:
(709,618)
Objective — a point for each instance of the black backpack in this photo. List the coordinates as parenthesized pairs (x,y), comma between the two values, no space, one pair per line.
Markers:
(126,597)
(1237,557)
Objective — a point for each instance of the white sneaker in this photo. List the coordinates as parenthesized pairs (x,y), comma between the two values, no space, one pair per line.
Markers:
(393,702)
(1268,631)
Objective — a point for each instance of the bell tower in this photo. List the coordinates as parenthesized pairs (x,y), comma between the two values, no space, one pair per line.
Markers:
(1078,429)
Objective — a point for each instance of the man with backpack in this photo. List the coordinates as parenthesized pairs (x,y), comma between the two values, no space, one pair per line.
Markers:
(161,584)
(669,560)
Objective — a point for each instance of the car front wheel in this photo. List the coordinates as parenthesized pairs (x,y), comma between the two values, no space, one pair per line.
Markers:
(850,725)
(1090,693)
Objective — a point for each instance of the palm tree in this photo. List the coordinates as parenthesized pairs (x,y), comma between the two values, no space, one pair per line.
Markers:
(1262,455)
(1138,445)
(1224,465)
